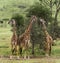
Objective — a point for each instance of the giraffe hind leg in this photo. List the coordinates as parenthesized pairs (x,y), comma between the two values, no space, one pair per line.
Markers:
(50,51)
(20,51)
(12,51)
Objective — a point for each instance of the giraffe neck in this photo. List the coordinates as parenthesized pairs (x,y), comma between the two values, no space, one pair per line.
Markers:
(46,33)
(29,27)
(45,29)
(14,30)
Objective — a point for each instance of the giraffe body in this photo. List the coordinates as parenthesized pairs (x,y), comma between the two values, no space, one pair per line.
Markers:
(14,37)
(48,38)
(14,42)
(24,39)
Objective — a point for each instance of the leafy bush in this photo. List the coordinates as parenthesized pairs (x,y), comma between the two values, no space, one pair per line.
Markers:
(40,11)
(19,19)
(19,23)
(38,36)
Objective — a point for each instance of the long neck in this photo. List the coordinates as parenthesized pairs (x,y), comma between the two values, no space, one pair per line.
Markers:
(14,30)
(45,29)
(29,27)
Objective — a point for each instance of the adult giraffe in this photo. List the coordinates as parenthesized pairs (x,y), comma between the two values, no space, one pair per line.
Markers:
(48,38)
(24,39)
(14,38)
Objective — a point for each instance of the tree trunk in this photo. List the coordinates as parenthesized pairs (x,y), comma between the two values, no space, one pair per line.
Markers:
(55,20)
(55,25)
(33,48)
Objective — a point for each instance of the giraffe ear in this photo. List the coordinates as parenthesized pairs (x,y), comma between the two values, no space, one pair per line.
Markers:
(35,18)
(11,22)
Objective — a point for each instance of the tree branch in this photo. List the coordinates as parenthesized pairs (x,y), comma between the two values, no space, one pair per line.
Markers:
(58,9)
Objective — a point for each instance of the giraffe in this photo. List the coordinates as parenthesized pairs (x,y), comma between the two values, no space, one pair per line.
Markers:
(24,39)
(48,38)
(14,37)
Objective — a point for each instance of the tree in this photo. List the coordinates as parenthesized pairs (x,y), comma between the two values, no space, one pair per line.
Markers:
(40,11)
(44,12)
(56,28)
(54,23)
(19,23)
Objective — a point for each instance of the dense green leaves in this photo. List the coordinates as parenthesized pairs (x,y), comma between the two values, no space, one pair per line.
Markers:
(19,23)
(40,11)
(54,6)
(19,19)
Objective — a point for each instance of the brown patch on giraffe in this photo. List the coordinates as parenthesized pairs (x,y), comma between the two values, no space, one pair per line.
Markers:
(48,38)
(24,39)
(14,37)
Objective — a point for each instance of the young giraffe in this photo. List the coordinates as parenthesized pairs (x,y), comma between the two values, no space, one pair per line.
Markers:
(24,39)
(14,37)
(48,38)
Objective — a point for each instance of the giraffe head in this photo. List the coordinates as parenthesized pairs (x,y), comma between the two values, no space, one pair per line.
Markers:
(33,18)
(42,20)
(12,22)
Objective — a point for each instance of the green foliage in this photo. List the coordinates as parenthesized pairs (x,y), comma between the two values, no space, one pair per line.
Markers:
(19,19)
(19,23)
(38,36)
(56,32)
(54,6)
(40,11)
(40,0)
(56,2)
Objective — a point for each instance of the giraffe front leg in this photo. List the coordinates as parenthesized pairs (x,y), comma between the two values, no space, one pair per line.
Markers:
(12,48)
(20,51)
(11,53)
(50,50)
(28,54)
(25,53)
(47,51)
(17,52)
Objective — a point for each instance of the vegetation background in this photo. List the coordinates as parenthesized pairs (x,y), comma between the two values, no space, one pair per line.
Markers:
(9,8)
